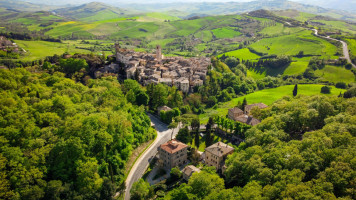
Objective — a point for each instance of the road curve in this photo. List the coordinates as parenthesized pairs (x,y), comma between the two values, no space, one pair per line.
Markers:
(141,164)
(344,46)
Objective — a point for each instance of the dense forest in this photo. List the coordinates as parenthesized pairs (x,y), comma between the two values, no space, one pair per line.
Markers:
(305,148)
(63,140)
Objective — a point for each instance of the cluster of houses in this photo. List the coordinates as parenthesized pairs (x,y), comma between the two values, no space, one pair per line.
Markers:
(7,45)
(183,73)
(175,153)
(239,115)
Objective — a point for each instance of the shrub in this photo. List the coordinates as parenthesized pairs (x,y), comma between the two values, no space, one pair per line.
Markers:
(341,85)
(350,93)
(348,66)
(325,90)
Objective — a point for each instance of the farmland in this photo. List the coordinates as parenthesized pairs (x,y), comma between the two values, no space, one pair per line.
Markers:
(40,49)
(292,44)
(242,54)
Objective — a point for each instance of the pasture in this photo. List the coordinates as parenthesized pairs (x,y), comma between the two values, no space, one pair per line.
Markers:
(335,74)
(40,49)
(294,43)
(244,54)
(225,32)
(280,29)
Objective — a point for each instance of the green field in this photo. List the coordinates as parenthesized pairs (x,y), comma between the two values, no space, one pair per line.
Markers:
(351,43)
(279,29)
(242,54)
(335,74)
(292,44)
(267,96)
(160,17)
(343,26)
(41,49)
(225,32)
(296,68)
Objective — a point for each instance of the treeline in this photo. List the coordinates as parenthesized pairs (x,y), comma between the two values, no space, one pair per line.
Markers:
(29,35)
(62,140)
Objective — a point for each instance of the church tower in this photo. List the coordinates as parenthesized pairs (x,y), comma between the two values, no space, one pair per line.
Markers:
(159,53)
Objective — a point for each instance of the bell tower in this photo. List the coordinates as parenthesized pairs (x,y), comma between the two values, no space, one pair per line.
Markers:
(159,53)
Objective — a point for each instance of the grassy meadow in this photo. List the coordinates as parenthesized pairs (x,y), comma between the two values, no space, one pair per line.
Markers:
(294,43)
(244,53)
(335,74)
(40,49)
(267,96)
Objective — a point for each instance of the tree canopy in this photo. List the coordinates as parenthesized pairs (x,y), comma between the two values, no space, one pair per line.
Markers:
(62,140)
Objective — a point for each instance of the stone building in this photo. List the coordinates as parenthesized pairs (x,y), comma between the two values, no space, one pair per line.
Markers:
(173,153)
(248,108)
(249,120)
(184,73)
(233,113)
(184,86)
(188,171)
(216,154)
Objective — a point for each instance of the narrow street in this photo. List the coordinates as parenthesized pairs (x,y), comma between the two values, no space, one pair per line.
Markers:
(139,168)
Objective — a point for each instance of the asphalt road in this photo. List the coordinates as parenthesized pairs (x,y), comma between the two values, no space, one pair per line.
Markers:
(344,46)
(139,168)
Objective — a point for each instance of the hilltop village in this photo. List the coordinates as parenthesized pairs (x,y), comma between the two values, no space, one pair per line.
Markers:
(183,73)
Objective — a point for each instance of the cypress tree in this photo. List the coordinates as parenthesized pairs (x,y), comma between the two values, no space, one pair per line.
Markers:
(295,90)
(244,103)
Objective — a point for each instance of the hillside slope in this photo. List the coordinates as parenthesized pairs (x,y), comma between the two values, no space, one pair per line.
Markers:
(94,11)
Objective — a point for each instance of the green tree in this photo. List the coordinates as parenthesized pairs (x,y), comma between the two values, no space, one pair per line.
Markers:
(131,97)
(348,66)
(142,98)
(195,126)
(244,103)
(231,62)
(350,93)
(205,183)
(183,135)
(88,179)
(71,65)
(325,89)
(176,174)
(295,90)
(140,190)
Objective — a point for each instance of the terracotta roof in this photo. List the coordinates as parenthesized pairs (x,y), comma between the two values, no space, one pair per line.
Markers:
(164,108)
(219,149)
(260,105)
(247,120)
(173,146)
(236,110)
(190,169)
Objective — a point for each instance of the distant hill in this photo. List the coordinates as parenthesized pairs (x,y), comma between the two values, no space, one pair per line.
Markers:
(94,11)
(348,5)
(219,8)
(25,6)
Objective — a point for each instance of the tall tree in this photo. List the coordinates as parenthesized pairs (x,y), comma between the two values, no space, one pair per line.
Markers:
(244,103)
(195,125)
(295,90)
(208,136)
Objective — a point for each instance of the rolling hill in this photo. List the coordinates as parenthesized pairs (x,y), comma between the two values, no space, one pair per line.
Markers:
(93,11)
(221,8)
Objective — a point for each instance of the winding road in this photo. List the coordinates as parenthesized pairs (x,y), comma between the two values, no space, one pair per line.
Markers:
(141,164)
(344,46)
